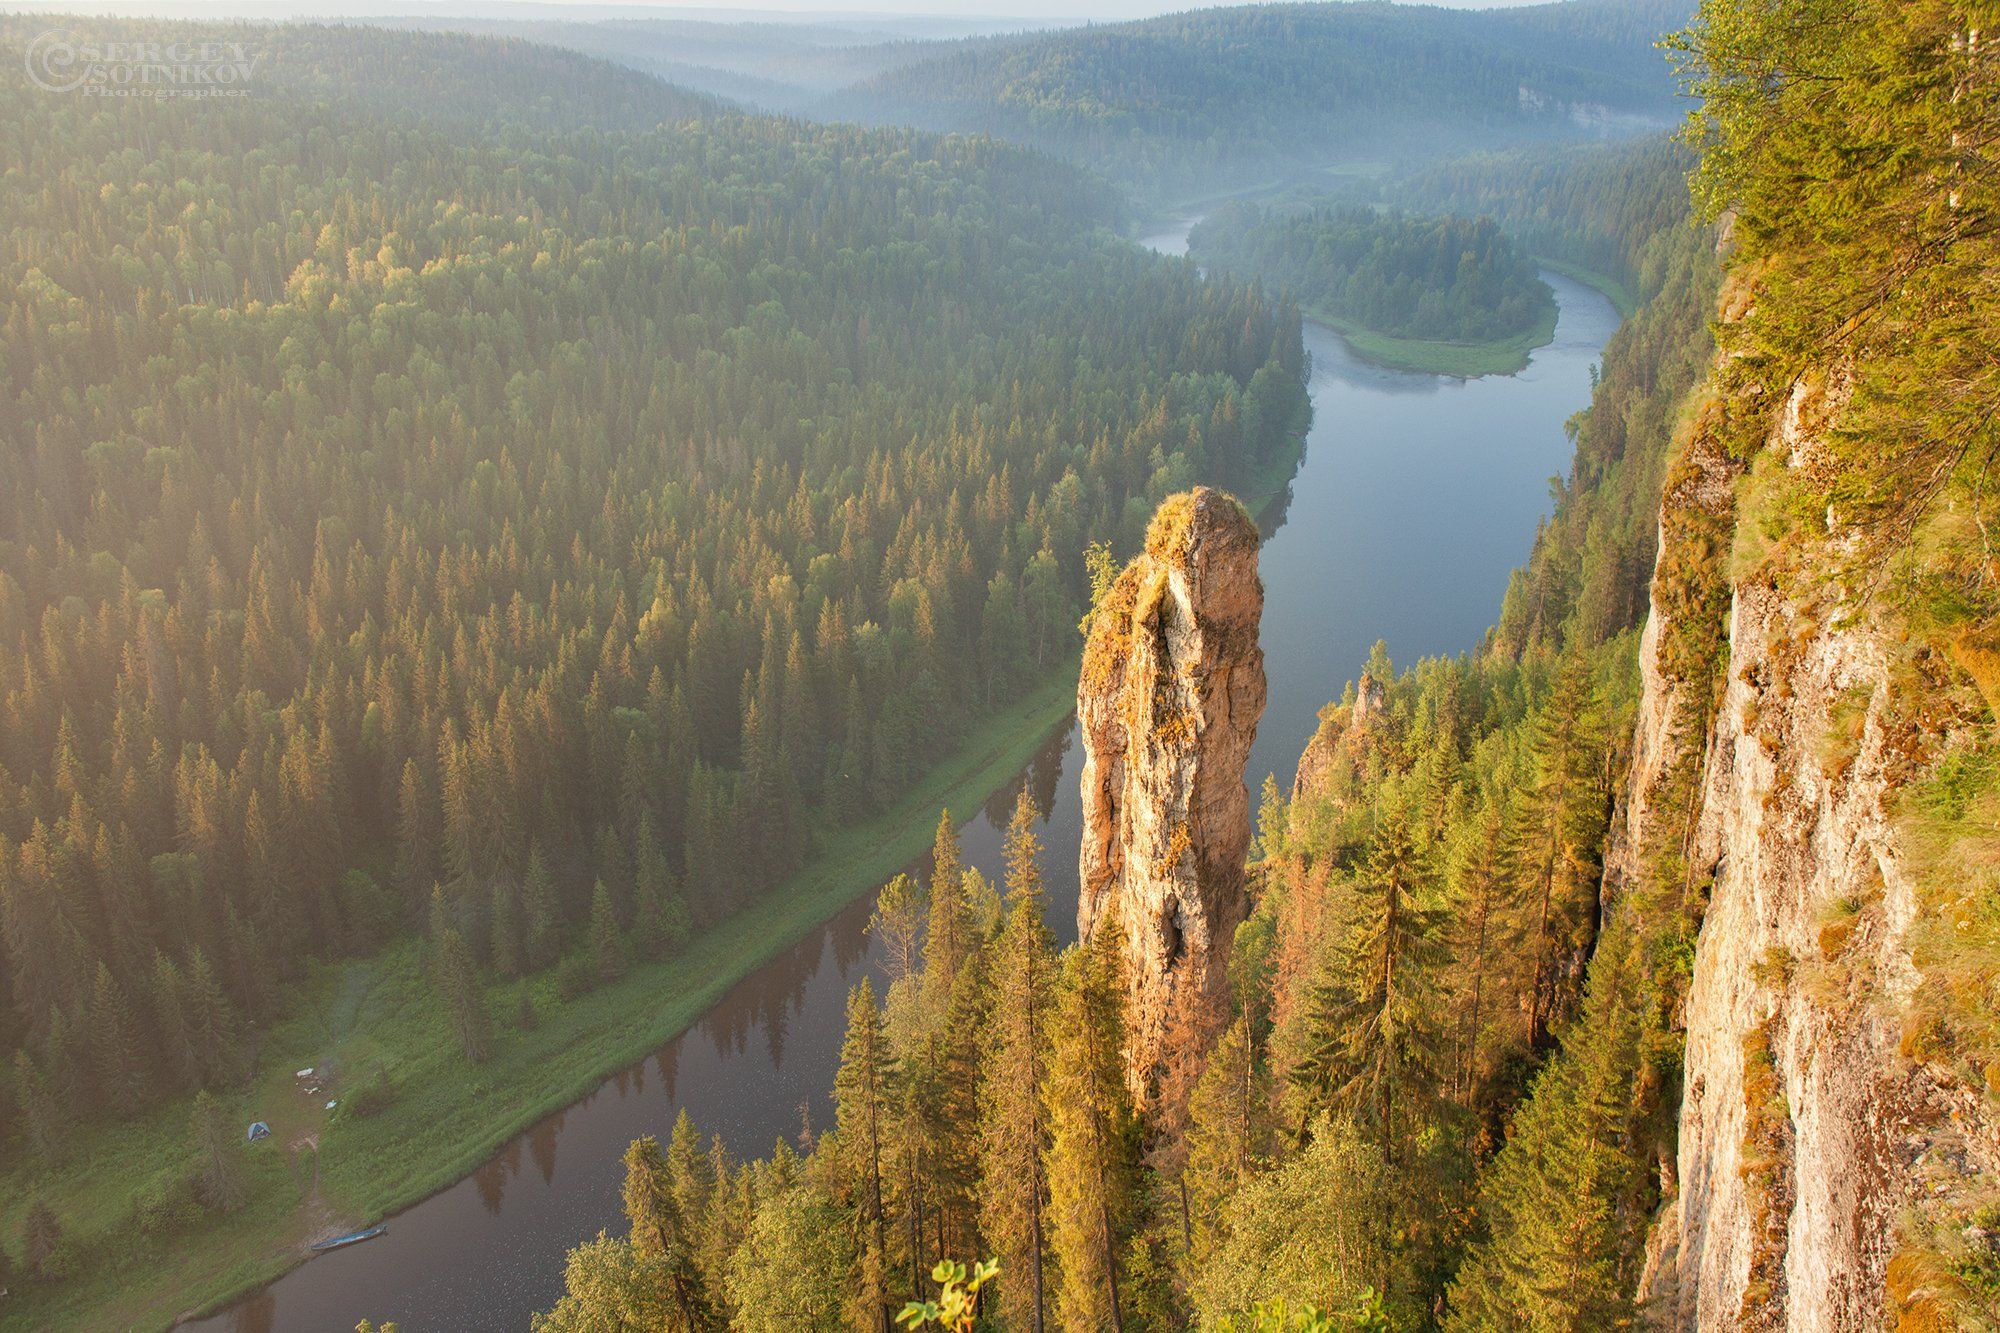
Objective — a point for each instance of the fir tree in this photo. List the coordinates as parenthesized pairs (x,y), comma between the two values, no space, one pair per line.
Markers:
(1370,1041)
(218,1171)
(1231,1134)
(607,945)
(897,924)
(541,912)
(862,1092)
(41,1112)
(457,981)
(114,1045)
(1014,1135)
(503,932)
(1093,1154)
(659,1232)
(950,935)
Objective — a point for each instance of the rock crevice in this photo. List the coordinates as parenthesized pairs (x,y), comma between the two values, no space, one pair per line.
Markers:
(1168,704)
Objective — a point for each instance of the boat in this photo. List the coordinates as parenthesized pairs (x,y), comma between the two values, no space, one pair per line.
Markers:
(351,1238)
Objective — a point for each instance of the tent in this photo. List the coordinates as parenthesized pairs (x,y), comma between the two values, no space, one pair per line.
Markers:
(259,1130)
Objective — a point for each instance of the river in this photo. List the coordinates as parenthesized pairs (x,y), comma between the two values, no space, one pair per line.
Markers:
(1417,496)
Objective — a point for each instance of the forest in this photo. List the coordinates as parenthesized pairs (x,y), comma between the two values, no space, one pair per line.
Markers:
(1190,104)
(1449,279)
(1445,1086)
(526,526)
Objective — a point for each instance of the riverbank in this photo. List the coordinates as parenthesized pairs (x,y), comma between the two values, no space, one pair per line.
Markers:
(139,1268)
(142,1257)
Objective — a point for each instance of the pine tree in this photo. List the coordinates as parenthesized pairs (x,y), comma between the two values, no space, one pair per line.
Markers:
(607,945)
(863,1096)
(1093,1154)
(1013,1189)
(218,1171)
(660,1232)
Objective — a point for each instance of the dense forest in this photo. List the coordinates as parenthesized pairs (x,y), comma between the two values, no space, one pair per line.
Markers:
(1444,1087)
(1194,102)
(520,504)
(1455,279)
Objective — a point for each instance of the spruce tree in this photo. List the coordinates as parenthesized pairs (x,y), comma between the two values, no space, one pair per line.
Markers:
(218,1170)
(950,935)
(607,945)
(863,1099)
(178,1058)
(659,1232)
(1013,1190)
(1371,1045)
(503,931)
(457,981)
(1231,1134)
(114,1046)
(897,924)
(541,913)
(1093,1154)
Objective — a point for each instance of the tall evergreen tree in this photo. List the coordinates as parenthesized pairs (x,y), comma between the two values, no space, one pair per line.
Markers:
(661,1233)
(1015,1132)
(218,1168)
(863,1096)
(1093,1154)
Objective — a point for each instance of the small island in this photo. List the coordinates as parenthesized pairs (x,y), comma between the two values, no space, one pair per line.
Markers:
(1447,295)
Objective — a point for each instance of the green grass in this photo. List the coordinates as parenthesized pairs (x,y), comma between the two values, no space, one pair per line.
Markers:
(376,1016)
(447,1117)
(1502,356)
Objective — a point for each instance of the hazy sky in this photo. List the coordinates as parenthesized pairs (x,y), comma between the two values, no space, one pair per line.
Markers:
(1043,11)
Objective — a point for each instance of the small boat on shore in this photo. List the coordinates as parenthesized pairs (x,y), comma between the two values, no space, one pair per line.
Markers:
(351,1238)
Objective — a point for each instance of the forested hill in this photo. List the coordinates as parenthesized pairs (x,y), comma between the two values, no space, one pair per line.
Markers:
(1220,96)
(467,489)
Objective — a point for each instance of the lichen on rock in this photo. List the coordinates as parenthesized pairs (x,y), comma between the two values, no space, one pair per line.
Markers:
(1168,704)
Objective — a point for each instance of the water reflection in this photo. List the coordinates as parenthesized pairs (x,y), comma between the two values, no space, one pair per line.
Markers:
(1417,499)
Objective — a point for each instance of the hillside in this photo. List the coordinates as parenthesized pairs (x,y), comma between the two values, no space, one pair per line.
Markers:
(475,525)
(1235,96)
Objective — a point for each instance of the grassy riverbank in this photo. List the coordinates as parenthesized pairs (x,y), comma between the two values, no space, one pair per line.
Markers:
(135,1261)
(377,1017)
(1614,291)
(1502,356)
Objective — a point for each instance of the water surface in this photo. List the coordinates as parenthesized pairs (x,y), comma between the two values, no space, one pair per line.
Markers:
(1417,496)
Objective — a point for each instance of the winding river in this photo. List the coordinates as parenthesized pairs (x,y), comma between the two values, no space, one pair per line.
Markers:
(1417,496)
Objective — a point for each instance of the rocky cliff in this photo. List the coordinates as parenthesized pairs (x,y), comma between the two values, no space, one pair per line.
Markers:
(1171,692)
(1765,769)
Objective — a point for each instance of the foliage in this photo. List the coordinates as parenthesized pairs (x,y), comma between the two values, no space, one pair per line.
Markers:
(1451,279)
(956,1305)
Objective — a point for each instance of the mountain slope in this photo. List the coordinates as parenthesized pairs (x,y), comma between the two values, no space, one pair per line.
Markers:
(1224,95)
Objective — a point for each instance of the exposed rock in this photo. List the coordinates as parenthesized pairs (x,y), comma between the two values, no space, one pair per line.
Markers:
(1338,741)
(1168,705)
(1804,1132)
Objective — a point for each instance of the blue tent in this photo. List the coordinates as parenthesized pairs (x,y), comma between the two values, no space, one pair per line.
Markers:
(259,1130)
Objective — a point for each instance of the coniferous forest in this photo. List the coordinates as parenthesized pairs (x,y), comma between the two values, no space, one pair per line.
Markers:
(495,547)
(1450,279)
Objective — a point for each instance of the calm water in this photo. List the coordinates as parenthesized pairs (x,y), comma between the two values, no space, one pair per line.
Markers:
(1417,497)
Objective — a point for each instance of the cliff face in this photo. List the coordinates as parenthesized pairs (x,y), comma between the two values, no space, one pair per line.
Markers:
(1168,705)
(1805,1135)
